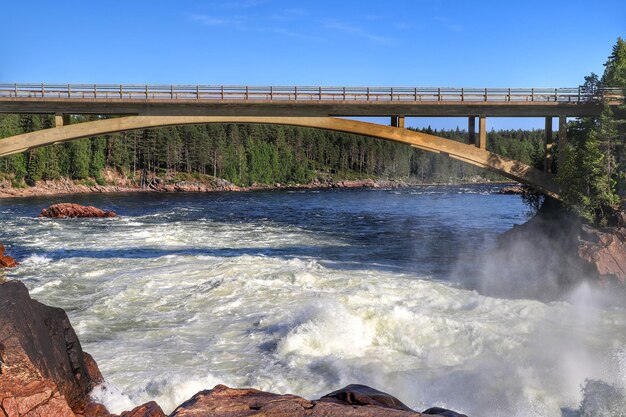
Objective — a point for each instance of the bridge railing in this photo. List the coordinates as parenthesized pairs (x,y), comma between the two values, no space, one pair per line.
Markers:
(306,93)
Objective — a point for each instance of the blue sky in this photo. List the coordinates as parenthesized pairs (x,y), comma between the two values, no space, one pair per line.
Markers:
(261,42)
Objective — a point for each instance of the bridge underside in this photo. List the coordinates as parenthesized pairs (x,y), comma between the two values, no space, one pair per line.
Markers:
(296,108)
(471,154)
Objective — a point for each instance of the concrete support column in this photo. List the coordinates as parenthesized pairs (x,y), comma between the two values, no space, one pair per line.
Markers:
(61,119)
(547,165)
(482,132)
(562,139)
(471,128)
(397,121)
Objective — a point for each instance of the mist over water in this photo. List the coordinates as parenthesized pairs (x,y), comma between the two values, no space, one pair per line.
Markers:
(307,291)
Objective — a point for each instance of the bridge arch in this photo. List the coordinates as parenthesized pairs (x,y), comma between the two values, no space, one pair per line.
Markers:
(507,167)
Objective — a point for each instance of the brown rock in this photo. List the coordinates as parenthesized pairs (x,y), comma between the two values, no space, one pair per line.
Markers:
(620,218)
(150,409)
(69,210)
(515,189)
(38,398)
(42,366)
(94,409)
(363,395)
(222,401)
(5,260)
(92,369)
(606,252)
(443,412)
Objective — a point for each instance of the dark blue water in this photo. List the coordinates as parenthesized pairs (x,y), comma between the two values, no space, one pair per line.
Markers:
(420,230)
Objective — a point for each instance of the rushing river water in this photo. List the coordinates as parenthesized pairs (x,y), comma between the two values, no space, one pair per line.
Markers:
(307,291)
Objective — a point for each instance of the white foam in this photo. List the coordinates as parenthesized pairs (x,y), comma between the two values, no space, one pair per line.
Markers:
(37,260)
(172,309)
(168,392)
(46,286)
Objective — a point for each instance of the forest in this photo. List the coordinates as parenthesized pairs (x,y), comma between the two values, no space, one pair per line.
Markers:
(250,154)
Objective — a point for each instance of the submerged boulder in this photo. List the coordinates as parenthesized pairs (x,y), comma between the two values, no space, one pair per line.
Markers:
(5,260)
(42,366)
(70,210)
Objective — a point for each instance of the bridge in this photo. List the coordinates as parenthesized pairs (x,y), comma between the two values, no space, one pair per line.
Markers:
(147,106)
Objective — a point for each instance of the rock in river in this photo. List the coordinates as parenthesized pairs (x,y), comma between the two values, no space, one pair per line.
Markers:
(69,210)
(5,260)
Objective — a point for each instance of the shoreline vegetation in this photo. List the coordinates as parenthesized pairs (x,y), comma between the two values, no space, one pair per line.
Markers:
(112,182)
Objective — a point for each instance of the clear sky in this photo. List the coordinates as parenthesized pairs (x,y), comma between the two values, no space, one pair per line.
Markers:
(548,43)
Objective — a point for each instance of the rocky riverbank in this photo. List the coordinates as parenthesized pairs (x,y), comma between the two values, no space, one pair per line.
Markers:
(45,373)
(112,182)
(553,252)
(170,184)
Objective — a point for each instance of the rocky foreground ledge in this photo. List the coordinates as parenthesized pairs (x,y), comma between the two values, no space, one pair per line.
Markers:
(45,373)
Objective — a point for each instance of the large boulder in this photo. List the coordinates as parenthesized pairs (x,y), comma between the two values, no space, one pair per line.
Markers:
(69,210)
(5,260)
(442,412)
(43,371)
(363,395)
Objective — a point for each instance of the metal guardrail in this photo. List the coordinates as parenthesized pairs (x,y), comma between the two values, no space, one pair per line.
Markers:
(307,93)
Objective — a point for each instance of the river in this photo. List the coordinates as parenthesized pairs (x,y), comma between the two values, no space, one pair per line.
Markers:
(304,292)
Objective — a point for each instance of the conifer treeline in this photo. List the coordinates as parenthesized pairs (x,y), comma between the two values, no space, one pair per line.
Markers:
(248,154)
(592,171)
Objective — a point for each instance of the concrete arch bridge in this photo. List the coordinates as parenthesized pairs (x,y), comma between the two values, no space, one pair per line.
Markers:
(140,107)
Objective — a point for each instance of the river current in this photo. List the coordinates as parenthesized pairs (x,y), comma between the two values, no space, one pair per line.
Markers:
(304,292)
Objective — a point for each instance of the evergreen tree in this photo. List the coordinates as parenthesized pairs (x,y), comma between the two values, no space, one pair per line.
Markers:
(36,165)
(80,158)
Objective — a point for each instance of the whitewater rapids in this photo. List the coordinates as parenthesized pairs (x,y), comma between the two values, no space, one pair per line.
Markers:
(180,294)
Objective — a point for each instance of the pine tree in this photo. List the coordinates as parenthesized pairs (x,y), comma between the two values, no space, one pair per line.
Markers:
(79,158)
(36,165)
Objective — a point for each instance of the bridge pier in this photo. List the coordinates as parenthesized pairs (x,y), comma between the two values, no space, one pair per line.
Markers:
(547,164)
(397,121)
(471,128)
(562,139)
(482,132)
(61,119)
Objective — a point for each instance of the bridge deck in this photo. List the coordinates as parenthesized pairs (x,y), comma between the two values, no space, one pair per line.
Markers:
(187,100)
